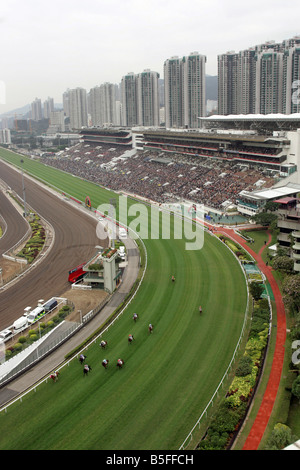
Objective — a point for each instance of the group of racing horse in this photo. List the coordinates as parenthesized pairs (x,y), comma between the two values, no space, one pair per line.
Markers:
(103,344)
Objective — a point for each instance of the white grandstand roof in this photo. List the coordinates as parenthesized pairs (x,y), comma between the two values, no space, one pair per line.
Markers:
(273,193)
(295,446)
(251,117)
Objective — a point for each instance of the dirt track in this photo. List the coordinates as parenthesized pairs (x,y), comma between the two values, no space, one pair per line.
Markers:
(16,224)
(75,241)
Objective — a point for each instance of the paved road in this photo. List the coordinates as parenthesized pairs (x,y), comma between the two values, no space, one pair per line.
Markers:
(75,241)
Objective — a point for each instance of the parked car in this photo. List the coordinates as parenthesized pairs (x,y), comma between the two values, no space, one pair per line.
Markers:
(5,335)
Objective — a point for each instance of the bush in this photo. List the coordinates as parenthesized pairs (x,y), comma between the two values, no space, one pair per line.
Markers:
(22,339)
(280,437)
(65,308)
(244,366)
(33,337)
(18,347)
(256,289)
(50,324)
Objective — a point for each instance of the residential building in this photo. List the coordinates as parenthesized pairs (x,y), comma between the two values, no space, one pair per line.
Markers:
(173,92)
(5,137)
(57,122)
(193,83)
(129,100)
(77,99)
(147,98)
(36,110)
(264,79)
(227,83)
(102,104)
(48,107)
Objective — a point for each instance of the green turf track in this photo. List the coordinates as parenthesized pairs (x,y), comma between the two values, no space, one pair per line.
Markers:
(169,376)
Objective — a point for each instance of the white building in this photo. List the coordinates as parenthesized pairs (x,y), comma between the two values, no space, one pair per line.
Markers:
(263,79)
(129,100)
(57,122)
(36,110)
(5,137)
(148,98)
(193,76)
(78,108)
(184,81)
(102,104)
(48,107)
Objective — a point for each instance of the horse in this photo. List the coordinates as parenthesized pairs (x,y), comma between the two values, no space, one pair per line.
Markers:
(103,344)
(54,376)
(200,309)
(135,317)
(81,358)
(86,369)
(105,363)
(130,339)
(120,363)
(173,278)
(150,328)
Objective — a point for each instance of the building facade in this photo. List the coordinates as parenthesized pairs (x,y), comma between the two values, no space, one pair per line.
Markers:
(48,107)
(147,98)
(77,101)
(184,81)
(140,99)
(264,79)
(129,100)
(102,105)
(36,110)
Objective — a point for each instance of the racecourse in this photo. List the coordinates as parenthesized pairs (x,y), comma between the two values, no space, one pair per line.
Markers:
(169,376)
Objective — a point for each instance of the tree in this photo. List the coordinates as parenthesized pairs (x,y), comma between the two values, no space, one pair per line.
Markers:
(296,388)
(266,219)
(280,437)
(271,206)
(283,263)
(256,290)
(291,292)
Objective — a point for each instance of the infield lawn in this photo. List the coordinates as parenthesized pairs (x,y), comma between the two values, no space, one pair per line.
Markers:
(169,376)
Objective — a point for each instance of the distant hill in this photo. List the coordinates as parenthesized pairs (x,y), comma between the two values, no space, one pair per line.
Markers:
(25,110)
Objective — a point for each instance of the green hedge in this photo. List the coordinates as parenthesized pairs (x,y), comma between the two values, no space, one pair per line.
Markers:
(233,408)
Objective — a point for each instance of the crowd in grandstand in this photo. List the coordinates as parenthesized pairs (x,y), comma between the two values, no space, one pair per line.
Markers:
(160,176)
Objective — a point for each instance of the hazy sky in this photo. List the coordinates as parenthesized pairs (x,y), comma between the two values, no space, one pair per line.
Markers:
(47,47)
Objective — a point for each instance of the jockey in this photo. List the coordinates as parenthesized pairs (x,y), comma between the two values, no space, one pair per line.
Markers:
(130,338)
(135,315)
(103,344)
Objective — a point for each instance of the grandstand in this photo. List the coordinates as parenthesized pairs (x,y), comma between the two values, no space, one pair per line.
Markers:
(218,168)
(115,136)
